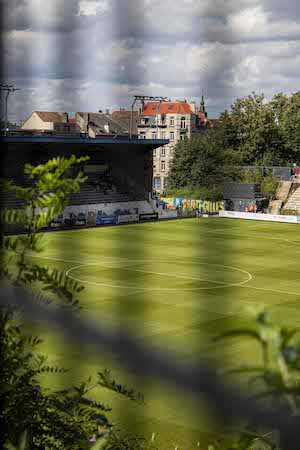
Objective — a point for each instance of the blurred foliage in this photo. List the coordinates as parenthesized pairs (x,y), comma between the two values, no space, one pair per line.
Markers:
(31,416)
(274,382)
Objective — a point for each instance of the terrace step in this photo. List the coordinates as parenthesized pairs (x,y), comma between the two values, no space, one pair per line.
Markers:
(283,190)
(276,206)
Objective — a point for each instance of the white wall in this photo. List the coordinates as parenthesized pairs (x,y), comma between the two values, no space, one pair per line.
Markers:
(34,122)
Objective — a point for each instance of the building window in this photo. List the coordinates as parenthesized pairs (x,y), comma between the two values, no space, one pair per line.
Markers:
(163,165)
(172,136)
(171,121)
(154,152)
(182,122)
(153,135)
(163,151)
(183,136)
(156,183)
(166,182)
(143,136)
(163,135)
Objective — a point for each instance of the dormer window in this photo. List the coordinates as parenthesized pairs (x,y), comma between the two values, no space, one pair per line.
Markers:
(170,106)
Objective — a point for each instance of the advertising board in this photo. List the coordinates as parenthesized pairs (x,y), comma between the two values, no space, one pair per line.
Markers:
(257,216)
(104,220)
(128,218)
(57,222)
(148,216)
(167,214)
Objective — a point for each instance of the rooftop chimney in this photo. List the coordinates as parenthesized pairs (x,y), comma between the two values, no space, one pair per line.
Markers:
(193,107)
(106,128)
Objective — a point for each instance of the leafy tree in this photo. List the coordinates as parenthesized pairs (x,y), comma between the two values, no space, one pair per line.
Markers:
(256,130)
(279,103)
(269,186)
(251,176)
(228,132)
(196,163)
(290,127)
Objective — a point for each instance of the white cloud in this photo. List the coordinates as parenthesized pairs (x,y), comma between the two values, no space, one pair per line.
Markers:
(250,20)
(87,8)
(74,54)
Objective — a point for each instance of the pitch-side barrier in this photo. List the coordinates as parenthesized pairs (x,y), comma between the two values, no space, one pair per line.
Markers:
(258,216)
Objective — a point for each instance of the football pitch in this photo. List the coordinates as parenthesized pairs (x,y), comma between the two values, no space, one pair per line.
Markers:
(173,285)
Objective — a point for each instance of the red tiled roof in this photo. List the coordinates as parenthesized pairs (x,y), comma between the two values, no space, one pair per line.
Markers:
(72,120)
(201,116)
(167,108)
(204,120)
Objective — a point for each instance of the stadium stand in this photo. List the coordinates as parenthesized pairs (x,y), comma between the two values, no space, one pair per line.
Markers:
(275,206)
(99,189)
(119,177)
(293,202)
(283,190)
(281,195)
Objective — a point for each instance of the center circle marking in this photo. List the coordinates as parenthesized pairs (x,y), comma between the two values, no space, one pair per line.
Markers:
(222,285)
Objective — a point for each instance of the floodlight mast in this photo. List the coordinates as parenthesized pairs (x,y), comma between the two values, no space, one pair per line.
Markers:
(8,88)
(142,98)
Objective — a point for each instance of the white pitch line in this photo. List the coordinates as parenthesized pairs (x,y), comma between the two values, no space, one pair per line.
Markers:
(173,275)
(247,236)
(292,242)
(164,274)
(272,290)
(215,287)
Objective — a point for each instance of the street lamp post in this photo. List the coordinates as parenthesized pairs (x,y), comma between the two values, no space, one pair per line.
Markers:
(7,88)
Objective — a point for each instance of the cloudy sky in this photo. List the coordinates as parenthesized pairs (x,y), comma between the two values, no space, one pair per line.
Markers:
(86,55)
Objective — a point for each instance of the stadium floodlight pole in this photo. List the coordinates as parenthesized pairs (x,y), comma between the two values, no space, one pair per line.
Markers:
(8,89)
(131,117)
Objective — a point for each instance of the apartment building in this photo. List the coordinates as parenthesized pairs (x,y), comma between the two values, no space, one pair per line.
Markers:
(173,121)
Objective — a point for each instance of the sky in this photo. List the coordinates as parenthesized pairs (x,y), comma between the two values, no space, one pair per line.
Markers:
(87,55)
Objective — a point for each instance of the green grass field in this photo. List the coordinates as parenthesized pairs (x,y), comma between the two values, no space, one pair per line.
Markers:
(174,285)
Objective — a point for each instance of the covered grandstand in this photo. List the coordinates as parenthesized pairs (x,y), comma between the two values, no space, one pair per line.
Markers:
(119,173)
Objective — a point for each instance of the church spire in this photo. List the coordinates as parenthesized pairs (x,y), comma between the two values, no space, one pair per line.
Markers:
(202,107)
